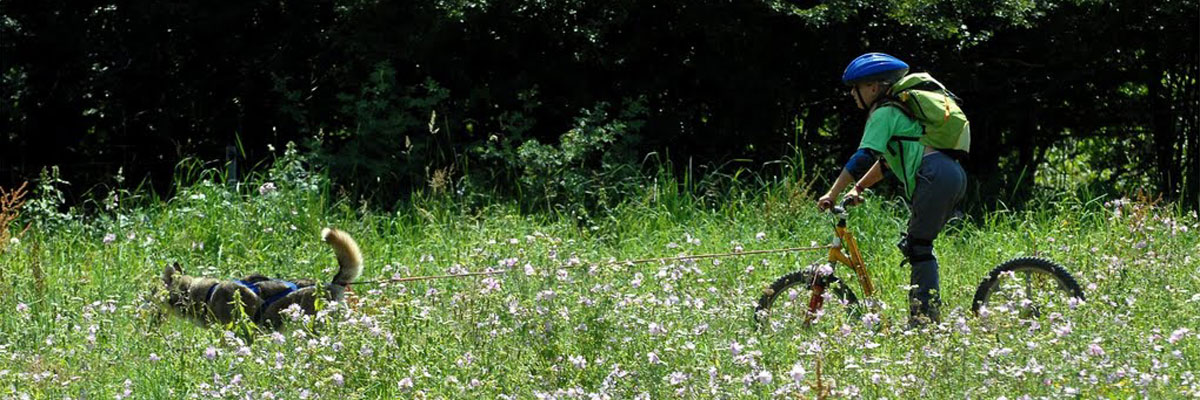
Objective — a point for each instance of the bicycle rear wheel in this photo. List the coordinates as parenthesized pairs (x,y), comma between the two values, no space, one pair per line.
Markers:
(789,301)
(1024,289)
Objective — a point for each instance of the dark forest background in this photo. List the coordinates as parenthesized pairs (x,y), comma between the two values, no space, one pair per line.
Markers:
(556,97)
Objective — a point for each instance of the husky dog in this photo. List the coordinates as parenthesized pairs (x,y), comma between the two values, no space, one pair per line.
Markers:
(261,298)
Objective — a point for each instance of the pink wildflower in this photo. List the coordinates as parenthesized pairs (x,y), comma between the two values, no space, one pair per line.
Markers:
(1063,330)
(824,270)
(490,284)
(210,353)
(797,373)
(266,188)
(338,379)
(676,378)
(764,377)
(869,320)
(1178,335)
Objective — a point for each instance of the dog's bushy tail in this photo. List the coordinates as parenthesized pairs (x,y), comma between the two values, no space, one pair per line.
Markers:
(350,261)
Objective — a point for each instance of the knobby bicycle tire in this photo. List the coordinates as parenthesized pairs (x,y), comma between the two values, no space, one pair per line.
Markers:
(1066,282)
(781,285)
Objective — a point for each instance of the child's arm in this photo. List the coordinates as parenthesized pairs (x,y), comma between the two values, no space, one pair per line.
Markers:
(871,177)
(856,166)
(826,201)
(868,179)
(840,184)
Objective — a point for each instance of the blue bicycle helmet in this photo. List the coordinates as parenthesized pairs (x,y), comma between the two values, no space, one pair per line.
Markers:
(874,67)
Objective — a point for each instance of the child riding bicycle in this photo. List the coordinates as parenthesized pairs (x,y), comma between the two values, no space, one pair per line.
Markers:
(908,133)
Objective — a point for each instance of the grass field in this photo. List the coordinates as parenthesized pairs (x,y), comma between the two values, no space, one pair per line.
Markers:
(80,313)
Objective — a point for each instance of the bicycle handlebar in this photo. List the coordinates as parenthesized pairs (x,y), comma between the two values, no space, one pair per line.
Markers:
(847,202)
(842,208)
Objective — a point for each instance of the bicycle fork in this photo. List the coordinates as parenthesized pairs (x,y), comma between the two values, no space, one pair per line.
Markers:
(816,301)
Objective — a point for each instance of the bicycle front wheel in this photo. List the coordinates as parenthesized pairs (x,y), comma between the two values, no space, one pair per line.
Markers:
(1025,289)
(790,301)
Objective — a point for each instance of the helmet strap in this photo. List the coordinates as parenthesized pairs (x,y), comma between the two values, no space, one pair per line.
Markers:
(881,93)
(858,95)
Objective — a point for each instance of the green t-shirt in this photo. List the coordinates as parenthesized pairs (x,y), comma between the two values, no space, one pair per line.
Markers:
(903,157)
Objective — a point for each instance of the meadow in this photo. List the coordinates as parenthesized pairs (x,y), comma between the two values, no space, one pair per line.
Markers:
(81,314)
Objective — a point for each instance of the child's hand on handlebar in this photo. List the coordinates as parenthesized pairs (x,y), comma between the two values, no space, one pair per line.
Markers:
(853,198)
(825,202)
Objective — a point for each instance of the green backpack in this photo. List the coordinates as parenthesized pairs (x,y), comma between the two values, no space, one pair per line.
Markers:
(927,101)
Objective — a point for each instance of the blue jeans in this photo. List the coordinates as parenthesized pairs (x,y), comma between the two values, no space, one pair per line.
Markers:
(941,183)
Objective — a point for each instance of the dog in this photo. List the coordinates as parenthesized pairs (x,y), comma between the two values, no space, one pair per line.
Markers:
(261,298)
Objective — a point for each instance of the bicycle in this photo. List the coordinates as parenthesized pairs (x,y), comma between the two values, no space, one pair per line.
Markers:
(1019,289)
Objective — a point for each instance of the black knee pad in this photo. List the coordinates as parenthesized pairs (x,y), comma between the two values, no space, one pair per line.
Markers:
(916,250)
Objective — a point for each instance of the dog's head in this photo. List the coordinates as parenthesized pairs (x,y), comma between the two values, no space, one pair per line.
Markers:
(177,284)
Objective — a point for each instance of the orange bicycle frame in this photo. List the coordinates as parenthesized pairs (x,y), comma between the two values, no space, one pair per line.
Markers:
(854,260)
(843,239)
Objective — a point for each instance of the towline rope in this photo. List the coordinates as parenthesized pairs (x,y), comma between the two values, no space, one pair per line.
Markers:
(614,262)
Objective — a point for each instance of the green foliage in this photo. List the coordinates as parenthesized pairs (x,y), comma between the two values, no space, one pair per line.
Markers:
(392,139)
(48,205)
(1089,163)
(294,171)
(590,164)
(398,94)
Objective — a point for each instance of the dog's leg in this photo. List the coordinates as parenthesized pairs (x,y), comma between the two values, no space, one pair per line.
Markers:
(305,297)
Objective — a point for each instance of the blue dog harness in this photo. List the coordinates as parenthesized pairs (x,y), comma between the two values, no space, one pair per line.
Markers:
(253,286)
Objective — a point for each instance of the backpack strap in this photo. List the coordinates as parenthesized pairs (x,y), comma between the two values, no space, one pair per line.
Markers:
(893,101)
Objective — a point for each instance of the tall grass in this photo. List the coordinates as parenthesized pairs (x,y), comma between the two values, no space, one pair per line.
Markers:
(82,316)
